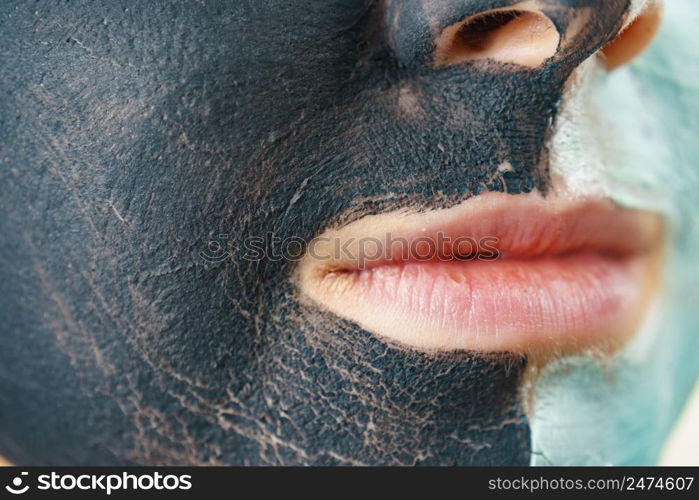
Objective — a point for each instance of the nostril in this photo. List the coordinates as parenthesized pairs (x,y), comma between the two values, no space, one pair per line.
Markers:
(523,37)
(483,32)
(634,39)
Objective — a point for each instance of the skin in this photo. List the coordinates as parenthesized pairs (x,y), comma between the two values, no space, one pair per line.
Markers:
(141,132)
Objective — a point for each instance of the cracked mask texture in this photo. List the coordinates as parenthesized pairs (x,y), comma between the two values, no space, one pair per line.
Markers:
(140,131)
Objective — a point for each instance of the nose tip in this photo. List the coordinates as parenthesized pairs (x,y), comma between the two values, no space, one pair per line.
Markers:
(521,34)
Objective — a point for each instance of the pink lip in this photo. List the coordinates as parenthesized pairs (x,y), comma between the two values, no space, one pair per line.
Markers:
(570,274)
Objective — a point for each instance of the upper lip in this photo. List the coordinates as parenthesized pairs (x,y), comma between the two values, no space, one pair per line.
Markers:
(519,226)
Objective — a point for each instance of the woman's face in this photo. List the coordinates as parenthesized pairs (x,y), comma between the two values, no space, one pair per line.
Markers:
(318,232)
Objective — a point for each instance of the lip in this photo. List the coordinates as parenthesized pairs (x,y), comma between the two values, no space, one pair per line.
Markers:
(569,274)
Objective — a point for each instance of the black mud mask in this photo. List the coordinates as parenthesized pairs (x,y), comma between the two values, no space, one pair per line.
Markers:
(134,134)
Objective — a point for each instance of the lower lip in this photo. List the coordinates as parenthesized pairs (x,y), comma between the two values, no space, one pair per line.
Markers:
(510,304)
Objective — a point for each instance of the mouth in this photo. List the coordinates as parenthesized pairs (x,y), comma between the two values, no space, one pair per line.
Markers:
(495,273)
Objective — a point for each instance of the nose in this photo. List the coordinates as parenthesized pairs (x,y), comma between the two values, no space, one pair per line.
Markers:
(525,34)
